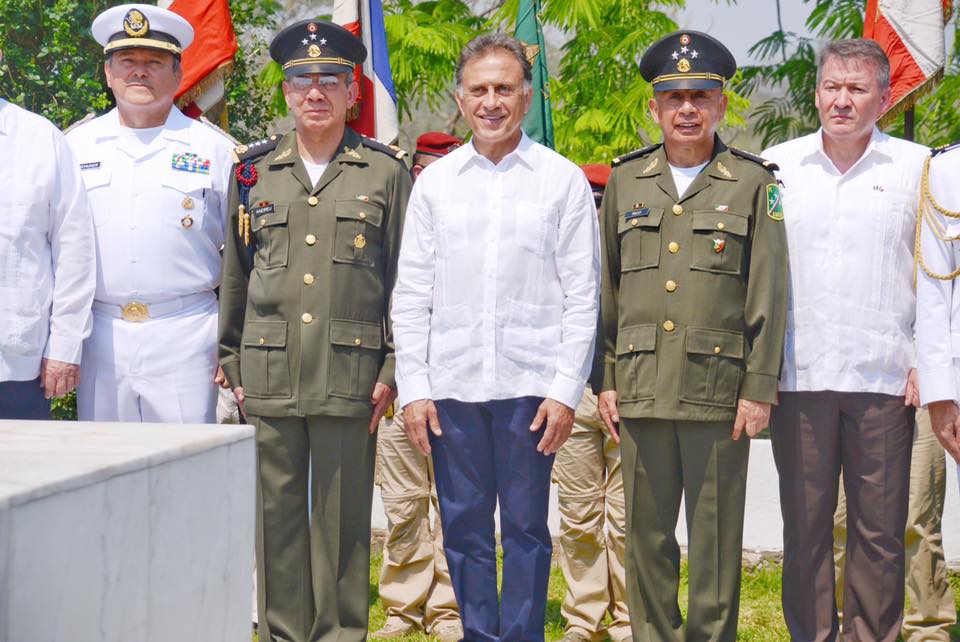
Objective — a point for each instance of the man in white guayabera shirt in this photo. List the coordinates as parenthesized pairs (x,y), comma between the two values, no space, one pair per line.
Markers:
(47,265)
(847,389)
(494,315)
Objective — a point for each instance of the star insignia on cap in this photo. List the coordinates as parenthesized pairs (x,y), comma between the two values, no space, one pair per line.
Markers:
(323,41)
(694,53)
(313,36)
(675,55)
(304,41)
(684,49)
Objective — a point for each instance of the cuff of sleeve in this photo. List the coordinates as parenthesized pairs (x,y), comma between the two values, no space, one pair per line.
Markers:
(388,371)
(231,369)
(609,378)
(759,387)
(65,349)
(413,389)
(566,390)
(937,384)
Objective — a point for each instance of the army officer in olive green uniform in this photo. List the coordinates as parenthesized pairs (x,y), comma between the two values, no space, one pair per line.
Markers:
(309,265)
(693,313)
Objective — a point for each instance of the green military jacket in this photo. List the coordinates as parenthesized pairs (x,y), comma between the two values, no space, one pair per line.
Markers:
(304,324)
(694,291)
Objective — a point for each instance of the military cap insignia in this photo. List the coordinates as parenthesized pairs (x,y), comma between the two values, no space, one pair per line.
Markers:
(774,202)
(723,170)
(312,27)
(685,39)
(135,24)
(683,66)
(313,51)
(652,165)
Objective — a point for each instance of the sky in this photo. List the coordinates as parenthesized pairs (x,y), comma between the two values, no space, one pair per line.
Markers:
(742,25)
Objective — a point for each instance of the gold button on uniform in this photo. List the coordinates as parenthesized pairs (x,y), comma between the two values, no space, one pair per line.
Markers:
(678,209)
(671,286)
(308,279)
(634,222)
(307,317)
(311,239)
(630,347)
(262,341)
(363,215)
(669,326)
(716,349)
(312,201)
(357,341)
(674,247)
(721,226)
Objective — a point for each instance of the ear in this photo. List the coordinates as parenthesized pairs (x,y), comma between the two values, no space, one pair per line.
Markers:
(724,101)
(654,108)
(459,99)
(527,100)
(107,73)
(353,93)
(885,98)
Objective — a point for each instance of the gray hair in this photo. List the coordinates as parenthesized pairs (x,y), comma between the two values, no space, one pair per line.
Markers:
(862,49)
(489,43)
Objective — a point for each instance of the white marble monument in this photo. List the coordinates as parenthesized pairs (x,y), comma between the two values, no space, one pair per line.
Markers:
(125,532)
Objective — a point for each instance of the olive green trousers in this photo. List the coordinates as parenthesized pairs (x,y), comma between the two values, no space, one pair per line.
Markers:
(313,560)
(663,461)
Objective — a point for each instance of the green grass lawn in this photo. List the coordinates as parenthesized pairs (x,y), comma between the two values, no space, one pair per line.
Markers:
(760,616)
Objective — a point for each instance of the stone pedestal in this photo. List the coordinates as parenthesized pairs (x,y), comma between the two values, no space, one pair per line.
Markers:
(125,532)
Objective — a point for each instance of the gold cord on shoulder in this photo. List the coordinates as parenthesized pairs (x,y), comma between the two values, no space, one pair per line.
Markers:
(925,211)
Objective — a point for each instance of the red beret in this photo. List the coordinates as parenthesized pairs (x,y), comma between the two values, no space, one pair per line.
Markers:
(437,143)
(597,174)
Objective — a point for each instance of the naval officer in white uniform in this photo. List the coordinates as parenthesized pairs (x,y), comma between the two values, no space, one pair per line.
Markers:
(157,184)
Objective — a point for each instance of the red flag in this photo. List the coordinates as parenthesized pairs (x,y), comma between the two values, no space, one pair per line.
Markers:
(208,61)
(911,33)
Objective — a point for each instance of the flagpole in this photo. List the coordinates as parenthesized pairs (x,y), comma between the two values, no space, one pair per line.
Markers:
(909,117)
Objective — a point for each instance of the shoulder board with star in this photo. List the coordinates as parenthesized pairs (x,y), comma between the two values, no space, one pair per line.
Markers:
(619,160)
(389,150)
(83,120)
(256,148)
(768,165)
(206,121)
(943,148)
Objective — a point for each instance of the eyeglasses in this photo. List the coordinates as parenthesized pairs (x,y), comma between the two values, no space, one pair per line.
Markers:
(306,81)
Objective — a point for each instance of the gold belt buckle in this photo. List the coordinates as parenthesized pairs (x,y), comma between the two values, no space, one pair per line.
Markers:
(136,312)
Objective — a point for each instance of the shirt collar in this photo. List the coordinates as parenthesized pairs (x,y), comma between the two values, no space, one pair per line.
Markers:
(175,127)
(5,111)
(878,144)
(524,152)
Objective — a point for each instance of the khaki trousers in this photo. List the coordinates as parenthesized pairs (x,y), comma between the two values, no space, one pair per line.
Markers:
(414,580)
(590,492)
(313,568)
(662,461)
(930,612)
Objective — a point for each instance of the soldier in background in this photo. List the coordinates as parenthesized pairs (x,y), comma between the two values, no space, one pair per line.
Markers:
(590,493)
(415,583)
(305,343)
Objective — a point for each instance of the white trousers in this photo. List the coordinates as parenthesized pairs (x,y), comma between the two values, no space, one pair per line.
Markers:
(160,370)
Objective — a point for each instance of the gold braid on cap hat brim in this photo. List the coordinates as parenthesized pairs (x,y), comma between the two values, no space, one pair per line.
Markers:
(149,43)
(304,61)
(925,211)
(694,76)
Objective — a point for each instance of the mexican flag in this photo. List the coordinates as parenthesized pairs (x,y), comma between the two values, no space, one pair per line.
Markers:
(538,123)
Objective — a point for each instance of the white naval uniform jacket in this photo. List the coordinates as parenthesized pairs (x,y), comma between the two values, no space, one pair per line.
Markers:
(159,211)
(938,301)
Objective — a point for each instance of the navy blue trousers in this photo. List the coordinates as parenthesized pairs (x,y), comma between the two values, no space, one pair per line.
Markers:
(486,453)
(23,400)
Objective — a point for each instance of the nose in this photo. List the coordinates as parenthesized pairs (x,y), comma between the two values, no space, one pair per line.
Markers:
(491,100)
(843,98)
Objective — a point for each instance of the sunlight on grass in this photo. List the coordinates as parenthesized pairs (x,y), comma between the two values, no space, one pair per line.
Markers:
(761,619)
